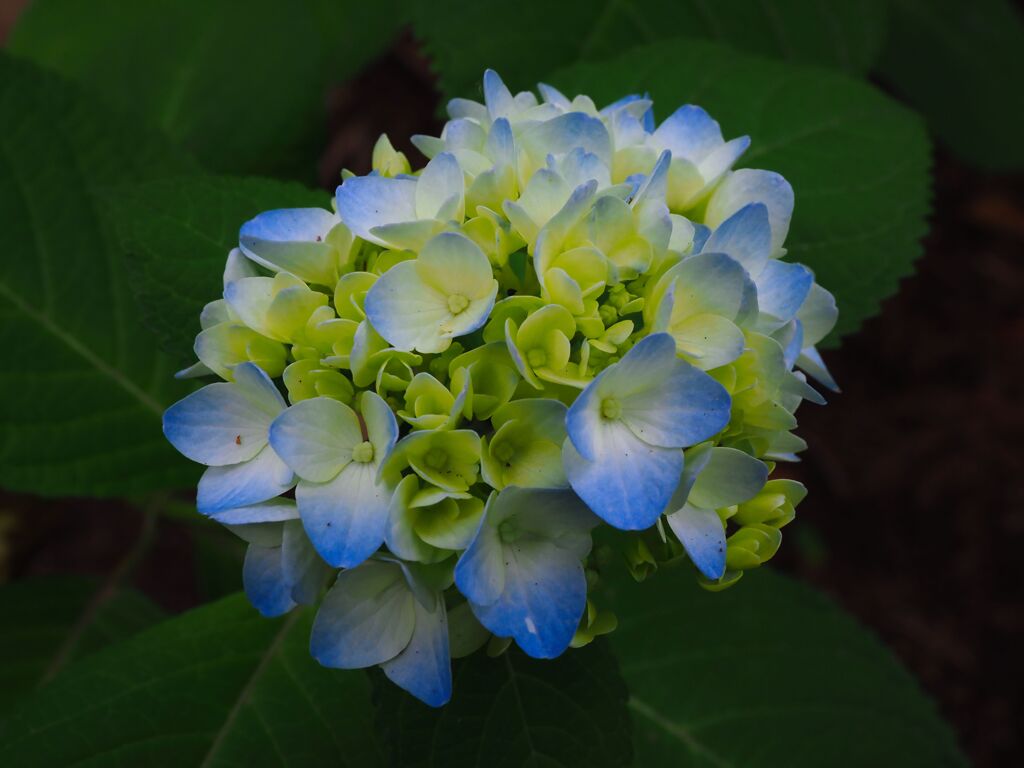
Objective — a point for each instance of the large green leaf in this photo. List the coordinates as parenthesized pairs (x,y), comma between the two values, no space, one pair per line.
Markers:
(766,674)
(515,711)
(218,686)
(857,160)
(241,85)
(177,234)
(526,44)
(84,385)
(49,622)
(961,64)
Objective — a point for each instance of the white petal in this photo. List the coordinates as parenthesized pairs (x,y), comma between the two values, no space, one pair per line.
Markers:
(440,181)
(315,437)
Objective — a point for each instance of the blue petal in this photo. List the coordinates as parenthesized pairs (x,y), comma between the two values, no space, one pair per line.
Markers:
(701,234)
(746,236)
(303,569)
(544,597)
(424,668)
(366,618)
(365,202)
(750,185)
(264,581)
(781,290)
(240,485)
(629,483)
(480,571)
(689,132)
(345,518)
(703,537)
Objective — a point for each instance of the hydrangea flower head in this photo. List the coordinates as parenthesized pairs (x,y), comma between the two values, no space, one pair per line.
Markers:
(432,390)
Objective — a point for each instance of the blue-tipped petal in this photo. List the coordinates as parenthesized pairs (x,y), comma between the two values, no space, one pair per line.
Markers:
(240,485)
(501,146)
(264,581)
(225,423)
(689,133)
(811,363)
(552,95)
(665,402)
(293,240)
(497,96)
(750,185)
(366,618)
(703,537)
(629,482)
(303,569)
(544,597)
(782,288)
(345,518)
(746,236)
(273,511)
(791,339)
(424,668)
(567,132)
(365,202)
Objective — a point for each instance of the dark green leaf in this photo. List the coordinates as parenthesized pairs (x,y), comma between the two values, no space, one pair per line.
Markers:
(242,86)
(82,398)
(961,64)
(48,622)
(770,674)
(857,160)
(514,711)
(177,234)
(526,42)
(218,686)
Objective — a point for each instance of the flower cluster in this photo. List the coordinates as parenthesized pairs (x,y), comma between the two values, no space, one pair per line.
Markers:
(433,393)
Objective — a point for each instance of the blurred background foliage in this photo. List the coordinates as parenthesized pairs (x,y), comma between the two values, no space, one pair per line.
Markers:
(135,137)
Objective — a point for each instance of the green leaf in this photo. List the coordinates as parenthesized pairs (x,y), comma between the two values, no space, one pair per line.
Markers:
(85,388)
(177,234)
(961,65)
(525,46)
(514,711)
(48,622)
(858,161)
(768,673)
(218,686)
(243,87)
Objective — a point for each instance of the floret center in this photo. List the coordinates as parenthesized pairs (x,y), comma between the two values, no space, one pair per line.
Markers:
(363,453)
(537,358)
(436,458)
(457,303)
(611,408)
